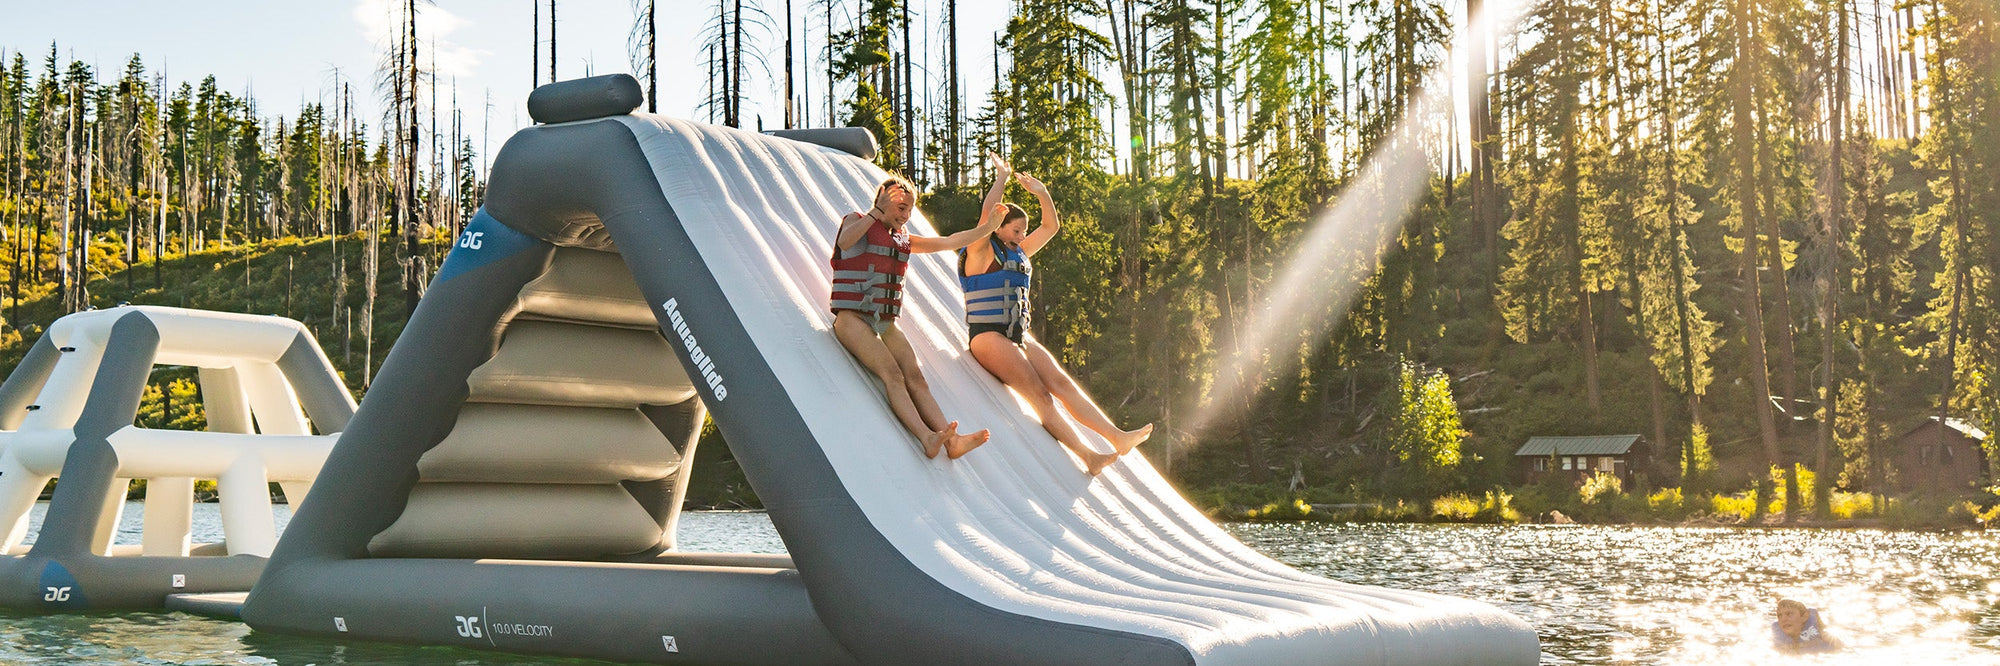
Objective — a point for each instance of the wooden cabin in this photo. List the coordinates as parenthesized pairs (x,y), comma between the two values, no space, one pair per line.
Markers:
(1945,455)
(1580,457)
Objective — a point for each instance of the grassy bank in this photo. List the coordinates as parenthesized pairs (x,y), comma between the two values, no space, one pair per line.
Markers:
(1602,500)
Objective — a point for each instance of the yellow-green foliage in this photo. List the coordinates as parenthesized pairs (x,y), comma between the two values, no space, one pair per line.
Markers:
(1297,509)
(1666,502)
(1740,506)
(1496,506)
(1806,482)
(1425,431)
(1600,487)
(1702,462)
(185,400)
(1849,506)
(1966,511)
(1455,507)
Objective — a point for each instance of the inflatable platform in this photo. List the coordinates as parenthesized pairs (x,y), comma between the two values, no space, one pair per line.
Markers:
(513,479)
(67,413)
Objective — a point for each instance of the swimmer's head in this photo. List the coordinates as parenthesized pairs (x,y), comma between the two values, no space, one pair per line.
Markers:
(1792,617)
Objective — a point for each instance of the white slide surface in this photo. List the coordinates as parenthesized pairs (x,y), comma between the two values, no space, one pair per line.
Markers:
(1015,525)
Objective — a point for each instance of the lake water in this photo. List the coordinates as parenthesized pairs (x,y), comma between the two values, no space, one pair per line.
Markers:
(1638,595)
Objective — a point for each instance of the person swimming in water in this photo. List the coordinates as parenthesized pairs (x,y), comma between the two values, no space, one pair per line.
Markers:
(1798,630)
(996,276)
(871,253)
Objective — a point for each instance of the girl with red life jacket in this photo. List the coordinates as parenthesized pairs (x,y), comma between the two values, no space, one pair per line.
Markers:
(870,255)
(996,275)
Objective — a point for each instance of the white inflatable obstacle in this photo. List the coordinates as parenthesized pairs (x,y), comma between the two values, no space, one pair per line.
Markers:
(67,412)
(1008,555)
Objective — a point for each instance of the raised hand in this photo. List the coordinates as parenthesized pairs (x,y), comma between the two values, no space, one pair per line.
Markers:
(1032,184)
(991,220)
(1000,165)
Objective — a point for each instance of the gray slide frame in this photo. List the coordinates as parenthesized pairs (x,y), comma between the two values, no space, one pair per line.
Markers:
(849,596)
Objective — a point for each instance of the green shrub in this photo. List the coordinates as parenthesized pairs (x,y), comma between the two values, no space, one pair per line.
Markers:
(1297,509)
(1455,507)
(1600,487)
(1930,513)
(1496,506)
(1849,506)
(1667,503)
(1740,507)
(1806,481)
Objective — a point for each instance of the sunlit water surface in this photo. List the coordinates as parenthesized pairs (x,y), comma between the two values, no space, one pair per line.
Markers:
(1594,594)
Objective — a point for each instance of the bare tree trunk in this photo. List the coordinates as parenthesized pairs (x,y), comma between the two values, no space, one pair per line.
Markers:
(955,163)
(789,120)
(1749,209)
(413,285)
(1945,124)
(535,61)
(1830,279)
(910,164)
(1669,124)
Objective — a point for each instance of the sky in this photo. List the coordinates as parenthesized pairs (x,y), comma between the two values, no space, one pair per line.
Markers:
(289,52)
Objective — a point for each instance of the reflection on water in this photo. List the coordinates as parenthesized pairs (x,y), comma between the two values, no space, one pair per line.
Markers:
(205,527)
(1595,594)
(1683,595)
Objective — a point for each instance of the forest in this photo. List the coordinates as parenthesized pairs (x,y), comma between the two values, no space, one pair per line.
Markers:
(1763,234)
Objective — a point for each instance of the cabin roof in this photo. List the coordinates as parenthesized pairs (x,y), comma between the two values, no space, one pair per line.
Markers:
(1970,431)
(1587,445)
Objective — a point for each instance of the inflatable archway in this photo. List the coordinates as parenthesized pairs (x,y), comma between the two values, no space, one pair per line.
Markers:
(512,479)
(67,411)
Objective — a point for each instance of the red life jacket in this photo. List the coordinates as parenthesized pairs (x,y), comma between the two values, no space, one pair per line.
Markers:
(868,276)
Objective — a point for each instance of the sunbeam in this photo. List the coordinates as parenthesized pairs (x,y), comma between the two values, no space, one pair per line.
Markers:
(1360,225)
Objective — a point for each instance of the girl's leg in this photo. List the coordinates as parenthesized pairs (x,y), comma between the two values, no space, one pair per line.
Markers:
(919,392)
(1000,357)
(1081,406)
(859,339)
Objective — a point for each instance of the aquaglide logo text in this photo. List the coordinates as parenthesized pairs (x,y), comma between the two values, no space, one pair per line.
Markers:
(701,359)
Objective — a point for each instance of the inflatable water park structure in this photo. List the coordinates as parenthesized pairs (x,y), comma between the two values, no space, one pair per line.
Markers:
(514,478)
(68,410)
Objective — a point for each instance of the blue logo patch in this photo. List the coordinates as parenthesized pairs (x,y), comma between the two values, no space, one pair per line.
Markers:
(59,589)
(485,241)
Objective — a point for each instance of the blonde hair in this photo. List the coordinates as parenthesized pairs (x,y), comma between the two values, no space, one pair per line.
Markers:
(1793,604)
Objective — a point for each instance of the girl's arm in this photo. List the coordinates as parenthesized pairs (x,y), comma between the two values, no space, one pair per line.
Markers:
(987,223)
(979,255)
(1051,221)
(852,228)
(1002,171)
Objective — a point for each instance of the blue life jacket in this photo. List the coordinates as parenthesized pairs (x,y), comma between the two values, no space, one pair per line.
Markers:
(1811,639)
(1000,295)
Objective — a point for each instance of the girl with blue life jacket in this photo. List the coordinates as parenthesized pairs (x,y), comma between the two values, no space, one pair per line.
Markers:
(870,255)
(996,275)
(1798,630)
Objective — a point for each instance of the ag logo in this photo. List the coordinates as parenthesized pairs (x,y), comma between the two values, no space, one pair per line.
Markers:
(472,240)
(470,627)
(56,594)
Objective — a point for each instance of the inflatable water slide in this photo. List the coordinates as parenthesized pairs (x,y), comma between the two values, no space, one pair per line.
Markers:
(513,478)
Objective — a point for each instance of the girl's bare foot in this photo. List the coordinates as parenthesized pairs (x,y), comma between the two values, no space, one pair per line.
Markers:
(934,442)
(956,445)
(1132,438)
(1098,461)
